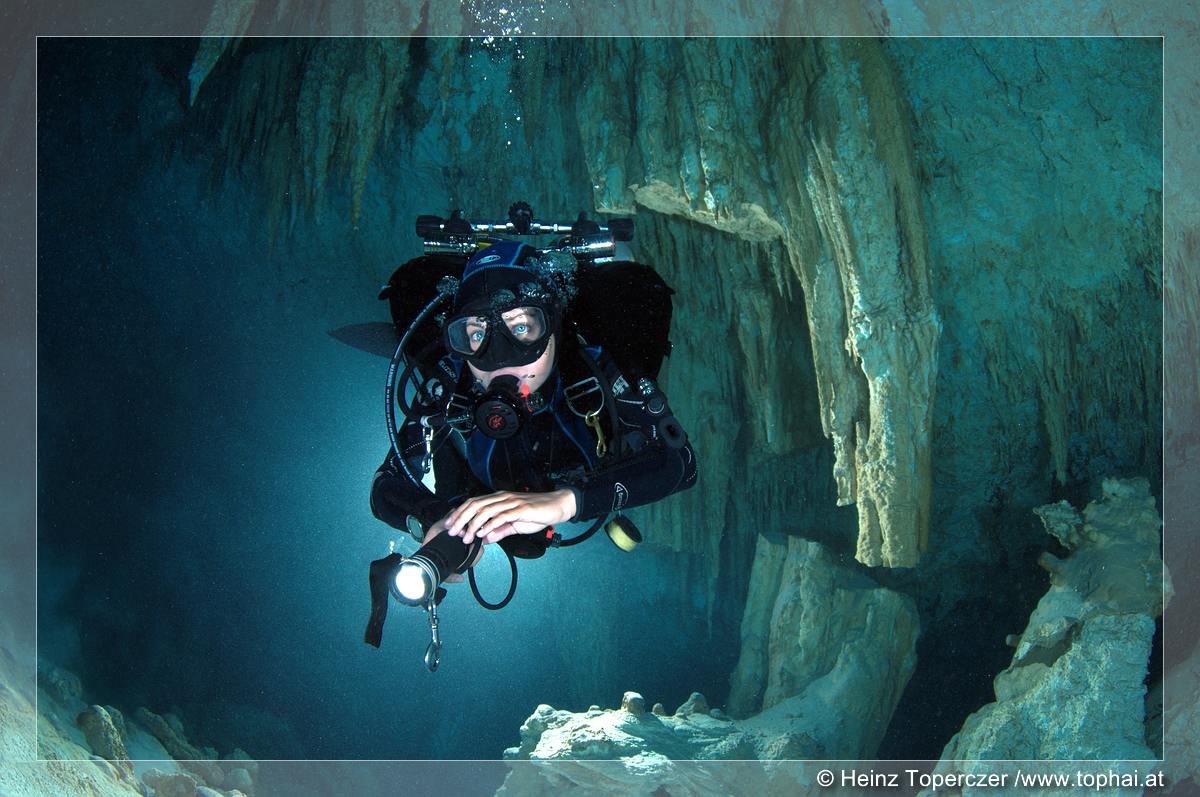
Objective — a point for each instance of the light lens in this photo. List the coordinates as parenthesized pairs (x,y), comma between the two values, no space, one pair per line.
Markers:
(411,583)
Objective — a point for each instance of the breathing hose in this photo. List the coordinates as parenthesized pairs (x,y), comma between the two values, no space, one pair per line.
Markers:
(512,587)
(512,563)
(578,538)
(446,289)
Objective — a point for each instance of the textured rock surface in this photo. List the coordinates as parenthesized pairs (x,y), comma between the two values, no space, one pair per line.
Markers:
(170,784)
(647,740)
(67,769)
(824,638)
(93,750)
(839,201)
(168,729)
(1075,686)
(103,736)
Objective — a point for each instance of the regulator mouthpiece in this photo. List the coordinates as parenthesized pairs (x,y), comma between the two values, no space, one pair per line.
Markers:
(500,413)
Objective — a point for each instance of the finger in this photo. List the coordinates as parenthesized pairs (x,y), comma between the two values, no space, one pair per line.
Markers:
(500,532)
(457,513)
(498,521)
(489,514)
(454,578)
(468,509)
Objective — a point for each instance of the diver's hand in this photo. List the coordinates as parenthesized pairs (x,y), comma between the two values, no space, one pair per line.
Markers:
(498,515)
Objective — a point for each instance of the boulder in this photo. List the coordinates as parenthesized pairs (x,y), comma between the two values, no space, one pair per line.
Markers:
(695,704)
(103,737)
(170,784)
(633,702)
(170,736)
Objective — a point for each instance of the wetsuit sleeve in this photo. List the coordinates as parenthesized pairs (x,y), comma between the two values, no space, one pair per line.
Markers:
(394,496)
(656,459)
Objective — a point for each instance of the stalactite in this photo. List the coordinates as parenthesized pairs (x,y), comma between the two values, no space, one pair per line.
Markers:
(303,113)
(848,204)
(227,21)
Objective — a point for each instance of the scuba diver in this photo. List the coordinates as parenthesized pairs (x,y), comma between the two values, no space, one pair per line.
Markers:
(515,421)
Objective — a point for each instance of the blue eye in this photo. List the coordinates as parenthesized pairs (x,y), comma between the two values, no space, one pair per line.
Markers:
(477,336)
(521,329)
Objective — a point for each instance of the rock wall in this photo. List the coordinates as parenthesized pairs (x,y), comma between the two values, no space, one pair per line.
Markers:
(1076,685)
(1044,187)
(824,638)
(794,142)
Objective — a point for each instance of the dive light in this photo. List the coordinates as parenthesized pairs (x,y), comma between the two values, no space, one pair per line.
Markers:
(416,581)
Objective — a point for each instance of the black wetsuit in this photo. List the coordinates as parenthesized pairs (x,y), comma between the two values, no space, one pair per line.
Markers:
(555,449)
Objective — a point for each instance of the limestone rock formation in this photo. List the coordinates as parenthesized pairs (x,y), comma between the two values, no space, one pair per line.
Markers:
(824,639)
(643,739)
(103,736)
(840,214)
(169,732)
(170,784)
(95,751)
(64,768)
(1075,687)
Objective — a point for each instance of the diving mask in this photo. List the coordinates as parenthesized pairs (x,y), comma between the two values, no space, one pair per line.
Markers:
(500,339)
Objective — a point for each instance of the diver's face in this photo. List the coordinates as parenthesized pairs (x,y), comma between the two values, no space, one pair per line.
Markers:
(532,375)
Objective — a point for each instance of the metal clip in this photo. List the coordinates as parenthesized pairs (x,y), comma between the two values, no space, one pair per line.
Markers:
(592,419)
(433,653)
(584,387)
(427,435)
(459,415)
